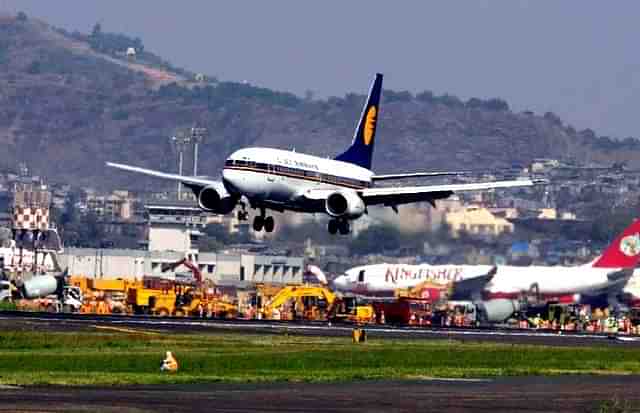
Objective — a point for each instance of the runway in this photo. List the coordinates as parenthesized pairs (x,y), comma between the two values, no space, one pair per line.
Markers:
(528,394)
(506,394)
(72,322)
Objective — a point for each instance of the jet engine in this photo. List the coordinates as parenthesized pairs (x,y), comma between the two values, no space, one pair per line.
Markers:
(216,199)
(344,204)
(498,310)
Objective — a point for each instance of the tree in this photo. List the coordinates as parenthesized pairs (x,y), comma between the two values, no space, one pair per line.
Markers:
(426,96)
(97,30)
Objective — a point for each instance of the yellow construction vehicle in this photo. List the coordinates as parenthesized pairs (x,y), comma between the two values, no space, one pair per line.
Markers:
(151,301)
(309,302)
(352,310)
(103,296)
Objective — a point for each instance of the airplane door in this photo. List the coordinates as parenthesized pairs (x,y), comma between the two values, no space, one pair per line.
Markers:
(271,177)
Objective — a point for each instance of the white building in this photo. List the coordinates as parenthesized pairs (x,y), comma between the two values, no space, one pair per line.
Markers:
(222,269)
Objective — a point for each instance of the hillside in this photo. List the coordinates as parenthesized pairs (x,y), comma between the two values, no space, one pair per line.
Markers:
(68,103)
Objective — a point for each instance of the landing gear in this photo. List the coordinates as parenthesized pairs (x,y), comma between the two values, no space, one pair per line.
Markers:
(269,224)
(333,227)
(261,222)
(339,225)
(243,215)
(258,223)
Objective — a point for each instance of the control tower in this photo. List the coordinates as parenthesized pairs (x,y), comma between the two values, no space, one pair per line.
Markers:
(31,224)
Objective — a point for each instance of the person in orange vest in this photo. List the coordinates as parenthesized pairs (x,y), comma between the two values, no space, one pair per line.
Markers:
(169,364)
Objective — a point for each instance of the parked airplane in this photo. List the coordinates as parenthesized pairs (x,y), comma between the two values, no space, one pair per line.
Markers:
(343,187)
(499,288)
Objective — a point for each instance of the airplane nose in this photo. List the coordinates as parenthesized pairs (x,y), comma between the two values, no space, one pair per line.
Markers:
(340,282)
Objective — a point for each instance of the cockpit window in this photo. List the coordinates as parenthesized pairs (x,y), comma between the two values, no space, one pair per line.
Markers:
(361,276)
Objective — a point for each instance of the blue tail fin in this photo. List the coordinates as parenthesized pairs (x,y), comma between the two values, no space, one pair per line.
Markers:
(361,150)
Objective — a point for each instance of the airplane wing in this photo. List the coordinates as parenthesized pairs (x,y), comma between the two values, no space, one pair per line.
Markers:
(471,288)
(194,181)
(392,196)
(414,175)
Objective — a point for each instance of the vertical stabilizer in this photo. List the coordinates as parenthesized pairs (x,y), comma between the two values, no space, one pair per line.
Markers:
(361,150)
(624,251)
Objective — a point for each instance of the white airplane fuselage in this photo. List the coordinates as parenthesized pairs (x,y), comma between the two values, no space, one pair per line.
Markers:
(277,178)
(508,281)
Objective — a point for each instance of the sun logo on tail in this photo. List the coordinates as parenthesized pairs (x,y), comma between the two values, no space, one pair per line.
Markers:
(630,245)
(370,125)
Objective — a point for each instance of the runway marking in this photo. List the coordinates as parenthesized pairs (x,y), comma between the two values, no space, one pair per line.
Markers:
(125,330)
(9,387)
(449,379)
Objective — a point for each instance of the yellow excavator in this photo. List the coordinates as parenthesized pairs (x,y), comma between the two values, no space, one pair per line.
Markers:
(310,302)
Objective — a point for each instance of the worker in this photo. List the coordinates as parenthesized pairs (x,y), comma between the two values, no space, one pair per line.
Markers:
(170,363)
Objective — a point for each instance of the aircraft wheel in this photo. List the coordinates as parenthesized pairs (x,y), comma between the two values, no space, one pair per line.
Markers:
(269,224)
(258,223)
(344,227)
(333,227)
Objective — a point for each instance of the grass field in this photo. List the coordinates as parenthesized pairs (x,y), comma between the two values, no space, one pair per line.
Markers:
(111,357)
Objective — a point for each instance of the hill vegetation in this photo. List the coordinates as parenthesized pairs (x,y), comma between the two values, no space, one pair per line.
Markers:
(71,101)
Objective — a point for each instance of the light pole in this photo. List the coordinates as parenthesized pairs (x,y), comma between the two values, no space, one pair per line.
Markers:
(180,141)
(197,136)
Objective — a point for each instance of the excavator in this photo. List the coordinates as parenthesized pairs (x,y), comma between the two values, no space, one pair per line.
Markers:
(315,302)
(180,299)
(310,302)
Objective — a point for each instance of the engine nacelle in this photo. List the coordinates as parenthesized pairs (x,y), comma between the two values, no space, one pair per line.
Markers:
(344,204)
(498,310)
(216,199)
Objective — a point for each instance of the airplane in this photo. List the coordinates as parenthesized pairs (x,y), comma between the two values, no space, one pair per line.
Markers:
(343,187)
(498,289)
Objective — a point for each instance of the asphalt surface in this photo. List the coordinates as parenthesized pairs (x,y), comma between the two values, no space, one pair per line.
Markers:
(530,394)
(75,322)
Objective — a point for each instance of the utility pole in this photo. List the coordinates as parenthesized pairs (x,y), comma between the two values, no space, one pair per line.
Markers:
(180,141)
(197,136)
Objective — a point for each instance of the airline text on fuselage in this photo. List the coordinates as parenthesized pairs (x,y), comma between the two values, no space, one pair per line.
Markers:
(299,164)
(451,274)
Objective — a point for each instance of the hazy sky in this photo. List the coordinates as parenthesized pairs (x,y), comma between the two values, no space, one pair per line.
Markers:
(579,59)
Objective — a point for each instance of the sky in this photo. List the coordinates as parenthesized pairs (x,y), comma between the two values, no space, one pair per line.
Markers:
(578,59)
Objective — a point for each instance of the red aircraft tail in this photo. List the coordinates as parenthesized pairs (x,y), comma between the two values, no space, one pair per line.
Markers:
(624,251)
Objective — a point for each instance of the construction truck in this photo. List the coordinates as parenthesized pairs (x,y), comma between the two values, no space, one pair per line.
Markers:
(352,309)
(6,290)
(103,296)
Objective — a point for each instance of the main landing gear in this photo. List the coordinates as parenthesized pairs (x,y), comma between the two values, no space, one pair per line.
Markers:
(261,222)
(336,225)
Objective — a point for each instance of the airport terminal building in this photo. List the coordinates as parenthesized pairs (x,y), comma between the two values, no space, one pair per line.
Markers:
(222,269)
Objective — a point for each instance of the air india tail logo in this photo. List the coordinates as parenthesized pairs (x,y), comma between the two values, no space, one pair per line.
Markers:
(630,245)
(370,125)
